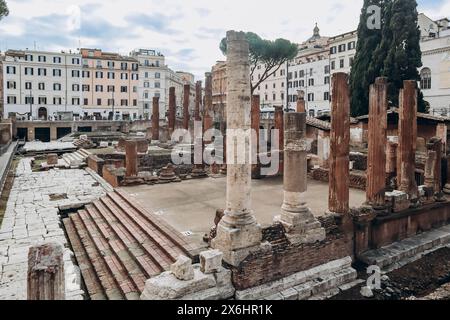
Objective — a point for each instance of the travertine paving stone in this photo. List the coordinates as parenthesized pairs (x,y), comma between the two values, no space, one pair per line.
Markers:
(31,217)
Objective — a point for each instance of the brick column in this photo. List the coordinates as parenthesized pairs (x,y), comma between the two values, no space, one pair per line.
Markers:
(186,94)
(339,179)
(391,158)
(407,136)
(198,100)
(238,233)
(299,222)
(155,119)
(441,132)
(280,127)
(208,108)
(172,110)
(256,115)
(301,101)
(131,158)
(376,159)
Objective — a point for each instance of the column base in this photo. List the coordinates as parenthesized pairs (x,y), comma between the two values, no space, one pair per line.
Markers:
(237,243)
(446,189)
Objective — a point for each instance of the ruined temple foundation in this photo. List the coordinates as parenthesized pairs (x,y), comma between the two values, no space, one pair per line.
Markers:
(238,233)
(297,219)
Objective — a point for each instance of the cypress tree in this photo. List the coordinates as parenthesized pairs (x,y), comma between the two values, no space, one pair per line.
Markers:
(365,68)
(401,46)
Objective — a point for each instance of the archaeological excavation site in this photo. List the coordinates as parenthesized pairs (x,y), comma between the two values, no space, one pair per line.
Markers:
(350,208)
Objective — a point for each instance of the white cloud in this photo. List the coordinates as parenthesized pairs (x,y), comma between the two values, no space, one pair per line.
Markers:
(196,24)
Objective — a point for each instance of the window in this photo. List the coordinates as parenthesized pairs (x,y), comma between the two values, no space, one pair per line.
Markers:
(341,63)
(75,73)
(76,101)
(111,64)
(41,86)
(326,96)
(157,75)
(29,71)
(57,101)
(302,83)
(110,102)
(123,89)
(111,75)
(134,102)
(310,96)
(11,100)
(332,50)
(333,65)
(134,67)
(342,47)
(98,88)
(10,70)
(282,96)
(56,59)
(42,72)
(86,74)
(312,113)
(302,73)
(157,85)
(57,72)
(42,100)
(110,89)
(11,85)
(134,89)
(57,87)
(157,94)
(29,100)
(124,102)
(99,74)
(124,76)
(99,102)
(85,101)
(425,78)
(351,45)
(75,61)
(274,96)
(124,66)
(28,57)
(28,86)
(134,76)
(75,87)
(350,61)
(310,82)
(42,58)
(86,88)
(327,69)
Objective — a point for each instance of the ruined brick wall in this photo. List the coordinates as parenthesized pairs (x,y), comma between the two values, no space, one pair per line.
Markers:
(111,176)
(357,178)
(95,163)
(285,259)
(146,162)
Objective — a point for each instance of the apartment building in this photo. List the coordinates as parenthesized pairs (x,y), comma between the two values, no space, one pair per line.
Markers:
(43,84)
(273,90)
(109,85)
(342,51)
(1,86)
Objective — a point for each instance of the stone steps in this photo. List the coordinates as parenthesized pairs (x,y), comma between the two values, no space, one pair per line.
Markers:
(402,252)
(119,245)
(77,158)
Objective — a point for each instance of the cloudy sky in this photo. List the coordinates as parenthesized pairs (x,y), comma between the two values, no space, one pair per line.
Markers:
(187,32)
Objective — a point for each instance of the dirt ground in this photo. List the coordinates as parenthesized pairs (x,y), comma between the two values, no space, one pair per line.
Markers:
(415,280)
(7,188)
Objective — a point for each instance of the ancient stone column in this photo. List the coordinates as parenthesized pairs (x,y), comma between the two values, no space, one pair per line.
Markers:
(301,101)
(441,132)
(238,233)
(172,110)
(155,119)
(131,158)
(435,144)
(339,178)
(429,174)
(376,159)
(186,95)
(46,272)
(447,184)
(391,158)
(407,135)
(208,108)
(256,115)
(278,117)
(198,100)
(296,217)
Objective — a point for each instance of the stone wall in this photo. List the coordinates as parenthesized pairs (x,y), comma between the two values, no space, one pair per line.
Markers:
(284,259)
(96,164)
(112,175)
(357,178)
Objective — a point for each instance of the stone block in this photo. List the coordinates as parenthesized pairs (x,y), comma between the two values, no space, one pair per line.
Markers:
(103,144)
(210,261)
(398,200)
(182,269)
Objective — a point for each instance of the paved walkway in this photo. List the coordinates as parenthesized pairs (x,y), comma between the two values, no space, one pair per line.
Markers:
(31,217)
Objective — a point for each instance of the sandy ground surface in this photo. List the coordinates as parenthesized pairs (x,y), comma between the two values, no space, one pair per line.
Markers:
(191,205)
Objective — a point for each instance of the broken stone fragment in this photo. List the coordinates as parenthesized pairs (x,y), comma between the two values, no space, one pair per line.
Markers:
(210,261)
(366,292)
(182,269)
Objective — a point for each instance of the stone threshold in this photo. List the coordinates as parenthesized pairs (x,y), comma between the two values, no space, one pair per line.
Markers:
(319,282)
(398,254)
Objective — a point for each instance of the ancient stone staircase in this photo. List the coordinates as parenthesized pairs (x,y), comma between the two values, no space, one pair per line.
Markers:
(76,159)
(119,245)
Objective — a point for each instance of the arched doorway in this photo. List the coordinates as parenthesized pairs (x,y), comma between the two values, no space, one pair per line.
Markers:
(42,113)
